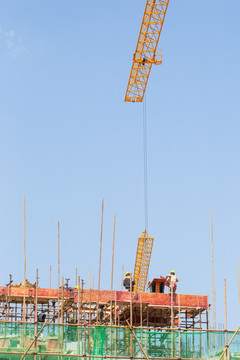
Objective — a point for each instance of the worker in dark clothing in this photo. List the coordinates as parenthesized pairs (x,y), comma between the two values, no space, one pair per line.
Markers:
(101,307)
(41,318)
(127,281)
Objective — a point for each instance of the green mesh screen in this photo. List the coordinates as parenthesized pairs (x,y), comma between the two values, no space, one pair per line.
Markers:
(99,341)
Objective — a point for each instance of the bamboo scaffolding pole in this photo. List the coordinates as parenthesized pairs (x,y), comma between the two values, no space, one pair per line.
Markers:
(130,292)
(62,301)
(200,325)
(172,313)
(238,283)
(213,283)
(76,274)
(179,325)
(95,356)
(179,310)
(78,300)
(78,312)
(227,346)
(34,340)
(115,309)
(36,297)
(35,312)
(58,271)
(90,299)
(148,328)
(172,318)
(140,345)
(122,277)
(62,316)
(84,340)
(50,277)
(100,257)
(141,310)
(114,224)
(24,260)
(225,311)
(131,318)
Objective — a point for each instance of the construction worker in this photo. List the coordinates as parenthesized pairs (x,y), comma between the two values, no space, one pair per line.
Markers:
(172,281)
(127,281)
(41,317)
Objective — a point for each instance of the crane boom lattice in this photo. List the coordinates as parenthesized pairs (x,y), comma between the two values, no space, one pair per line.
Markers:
(146,50)
(143,257)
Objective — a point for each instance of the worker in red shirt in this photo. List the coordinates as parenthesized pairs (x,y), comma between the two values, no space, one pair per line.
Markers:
(172,281)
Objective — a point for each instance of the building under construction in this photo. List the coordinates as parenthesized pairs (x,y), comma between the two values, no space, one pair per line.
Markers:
(85,323)
(78,322)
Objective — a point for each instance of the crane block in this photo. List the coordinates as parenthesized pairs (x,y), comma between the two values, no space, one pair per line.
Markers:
(142,262)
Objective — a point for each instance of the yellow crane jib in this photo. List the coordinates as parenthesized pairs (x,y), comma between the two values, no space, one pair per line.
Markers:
(142,262)
(146,52)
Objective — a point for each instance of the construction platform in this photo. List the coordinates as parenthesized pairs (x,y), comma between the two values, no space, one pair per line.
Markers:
(39,323)
(104,307)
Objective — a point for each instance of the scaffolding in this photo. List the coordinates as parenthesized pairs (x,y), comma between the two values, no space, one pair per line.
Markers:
(38,323)
(98,342)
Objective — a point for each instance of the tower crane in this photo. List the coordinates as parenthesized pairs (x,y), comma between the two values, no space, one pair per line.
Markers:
(145,55)
(146,52)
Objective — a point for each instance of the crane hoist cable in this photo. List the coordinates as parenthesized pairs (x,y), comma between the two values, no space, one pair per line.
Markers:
(145,162)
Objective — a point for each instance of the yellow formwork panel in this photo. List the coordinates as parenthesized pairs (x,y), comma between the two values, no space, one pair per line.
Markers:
(143,257)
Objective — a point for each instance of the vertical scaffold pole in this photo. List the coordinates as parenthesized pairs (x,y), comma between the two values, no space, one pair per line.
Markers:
(78,301)
(122,277)
(90,299)
(179,326)
(62,318)
(238,283)
(58,282)
(213,284)
(172,314)
(50,277)
(100,257)
(172,323)
(131,336)
(115,309)
(78,313)
(24,261)
(58,272)
(114,223)
(62,302)
(141,311)
(35,312)
(225,311)
(208,339)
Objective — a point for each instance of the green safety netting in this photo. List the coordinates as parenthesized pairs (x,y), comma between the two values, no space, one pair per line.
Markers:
(100,341)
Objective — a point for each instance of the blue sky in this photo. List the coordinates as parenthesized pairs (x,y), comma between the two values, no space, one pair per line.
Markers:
(67,140)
